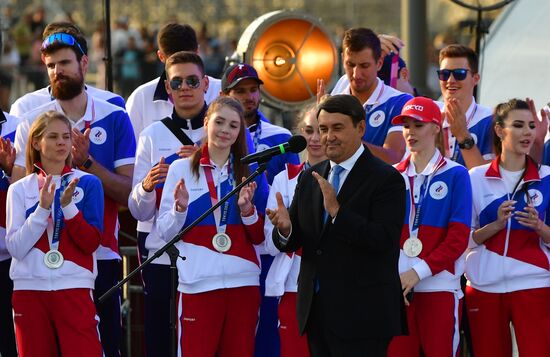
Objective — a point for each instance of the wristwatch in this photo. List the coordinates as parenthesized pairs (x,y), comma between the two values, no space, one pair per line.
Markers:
(86,164)
(467,144)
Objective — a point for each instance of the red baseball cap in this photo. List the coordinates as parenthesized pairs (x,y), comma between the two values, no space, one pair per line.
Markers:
(419,108)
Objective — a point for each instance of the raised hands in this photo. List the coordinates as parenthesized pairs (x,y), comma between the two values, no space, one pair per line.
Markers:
(456,119)
(329,195)
(246,194)
(67,195)
(7,155)
(156,175)
(81,146)
(390,44)
(279,217)
(181,196)
(47,193)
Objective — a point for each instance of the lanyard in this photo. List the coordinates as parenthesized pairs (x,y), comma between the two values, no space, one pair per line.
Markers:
(221,213)
(456,149)
(416,207)
(257,134)
(57,212)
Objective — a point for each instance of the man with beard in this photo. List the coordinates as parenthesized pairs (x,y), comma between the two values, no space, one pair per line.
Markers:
(44,95)
(103,145)
(362,59)
(241,82)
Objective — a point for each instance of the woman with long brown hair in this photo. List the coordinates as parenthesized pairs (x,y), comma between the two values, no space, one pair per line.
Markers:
(508,265)
(218,288)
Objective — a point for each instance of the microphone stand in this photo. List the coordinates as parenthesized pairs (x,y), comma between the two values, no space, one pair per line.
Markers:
(173,253)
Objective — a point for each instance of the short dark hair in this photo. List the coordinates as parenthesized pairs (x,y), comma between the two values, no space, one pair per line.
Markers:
(344,104)
(500,114)
(68,28)
(184,57)
(358,38)
(174,37)
(458,51)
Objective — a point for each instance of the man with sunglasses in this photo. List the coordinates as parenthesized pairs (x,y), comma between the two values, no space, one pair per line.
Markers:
(362,59)
(150,101)
(68,33)
(103,145)
(241,81)
(467,125)
(159,144)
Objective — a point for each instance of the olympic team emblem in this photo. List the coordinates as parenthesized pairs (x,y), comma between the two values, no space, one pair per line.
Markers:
(98,135)
(438,190)
(535,197)
(377,118)
(78,195)
(261,147)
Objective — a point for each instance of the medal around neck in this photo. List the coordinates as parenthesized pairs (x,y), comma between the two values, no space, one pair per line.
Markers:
(412,247)
(221,242)
(53,259)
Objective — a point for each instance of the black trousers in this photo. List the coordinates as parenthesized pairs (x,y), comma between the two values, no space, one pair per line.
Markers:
(325,343)
(7,334)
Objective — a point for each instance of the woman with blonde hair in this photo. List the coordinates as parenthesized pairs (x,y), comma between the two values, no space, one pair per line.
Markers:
(54,223)
(434,236)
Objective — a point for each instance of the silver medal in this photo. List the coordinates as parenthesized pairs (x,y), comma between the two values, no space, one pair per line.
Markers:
(53,259)
(221,242)
(412,247)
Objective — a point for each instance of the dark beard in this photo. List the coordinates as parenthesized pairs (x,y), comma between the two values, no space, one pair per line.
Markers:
(67,89)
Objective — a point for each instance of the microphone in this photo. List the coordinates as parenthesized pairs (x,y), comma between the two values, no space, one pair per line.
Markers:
(295,144)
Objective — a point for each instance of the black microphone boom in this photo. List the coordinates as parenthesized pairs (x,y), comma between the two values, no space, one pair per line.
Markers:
(295,144)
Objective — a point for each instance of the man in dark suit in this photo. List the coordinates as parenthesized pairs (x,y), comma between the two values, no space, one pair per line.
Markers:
(347,215)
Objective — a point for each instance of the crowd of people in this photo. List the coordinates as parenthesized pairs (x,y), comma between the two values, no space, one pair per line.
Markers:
(358,249)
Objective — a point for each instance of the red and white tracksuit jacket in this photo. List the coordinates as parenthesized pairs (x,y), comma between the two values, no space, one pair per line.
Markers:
(444,223)
(30,227)
(205,268)
(515,258)
(283,275)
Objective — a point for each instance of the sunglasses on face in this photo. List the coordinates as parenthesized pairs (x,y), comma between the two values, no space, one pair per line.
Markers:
(192,82)
(459,74)
(63,38)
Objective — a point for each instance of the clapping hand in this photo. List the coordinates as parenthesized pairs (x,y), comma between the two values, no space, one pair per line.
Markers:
(7,155)
(280,217)
(329,195)
(181,196)
(81,146)
(246,194)
(47,193)
(156,175)
(67,195)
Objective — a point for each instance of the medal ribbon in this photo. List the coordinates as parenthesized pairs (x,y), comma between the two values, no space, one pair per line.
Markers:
(57,212)
(416,207)
(221,213)
(257,134)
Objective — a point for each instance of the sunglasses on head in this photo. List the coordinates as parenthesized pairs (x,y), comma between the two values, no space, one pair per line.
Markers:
(192,82)
(459,74)
(63,38)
